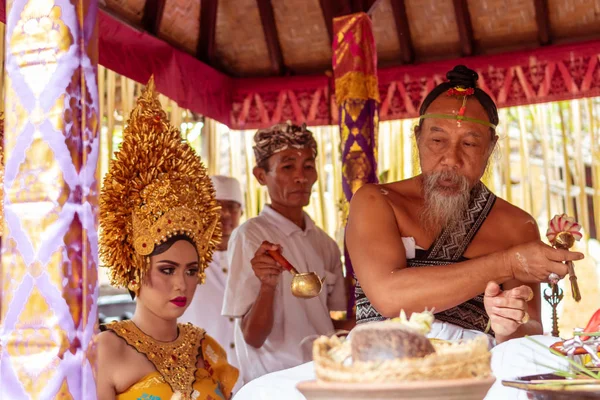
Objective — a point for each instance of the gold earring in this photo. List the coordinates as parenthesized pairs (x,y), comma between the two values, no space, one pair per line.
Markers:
(133,286)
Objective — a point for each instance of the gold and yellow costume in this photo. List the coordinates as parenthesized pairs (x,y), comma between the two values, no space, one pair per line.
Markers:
(175,364)
(157,188)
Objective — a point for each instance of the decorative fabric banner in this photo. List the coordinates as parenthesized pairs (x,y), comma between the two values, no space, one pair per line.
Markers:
(50,245)
(355,73)
(354,58)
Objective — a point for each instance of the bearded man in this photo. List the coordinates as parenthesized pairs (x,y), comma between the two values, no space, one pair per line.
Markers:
(443,240)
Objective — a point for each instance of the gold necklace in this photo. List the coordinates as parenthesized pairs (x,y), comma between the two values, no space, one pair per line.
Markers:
(175,361)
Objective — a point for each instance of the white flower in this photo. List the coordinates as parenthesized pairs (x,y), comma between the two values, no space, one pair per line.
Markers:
(563,223)
(421,322)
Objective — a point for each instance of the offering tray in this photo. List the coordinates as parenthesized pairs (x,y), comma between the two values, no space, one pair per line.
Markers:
(455,371)
(555,387)
(453,389)
(394,360)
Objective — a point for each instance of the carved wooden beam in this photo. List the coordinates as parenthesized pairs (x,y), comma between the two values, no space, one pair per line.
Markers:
(465,29)
(332,9)
(270,30)
(543,21)
(208,27)
(403,30)
(361,5)
(153,11)
(328,11)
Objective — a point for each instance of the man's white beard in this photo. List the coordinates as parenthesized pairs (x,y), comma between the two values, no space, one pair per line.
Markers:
(444,207)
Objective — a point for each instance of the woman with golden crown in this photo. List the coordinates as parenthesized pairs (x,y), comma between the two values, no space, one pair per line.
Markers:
(159,227)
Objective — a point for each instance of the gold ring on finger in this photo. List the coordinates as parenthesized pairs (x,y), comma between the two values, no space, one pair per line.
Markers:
(525,318)
(530,296)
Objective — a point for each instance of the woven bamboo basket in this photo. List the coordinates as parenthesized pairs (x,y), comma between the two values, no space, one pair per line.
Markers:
(450,361)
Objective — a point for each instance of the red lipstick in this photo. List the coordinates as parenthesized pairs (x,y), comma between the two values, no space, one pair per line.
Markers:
(179,301)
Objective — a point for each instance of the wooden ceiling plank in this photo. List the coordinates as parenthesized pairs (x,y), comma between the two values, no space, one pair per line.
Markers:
(371,6)
(207,34)
(153,12)
(344,7)
(543,21)
(400,17)
(357,6)
(328,15)
(465,28)
(267,18)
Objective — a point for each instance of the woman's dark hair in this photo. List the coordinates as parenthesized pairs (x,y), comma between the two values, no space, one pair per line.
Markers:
(467,78)
(161,248)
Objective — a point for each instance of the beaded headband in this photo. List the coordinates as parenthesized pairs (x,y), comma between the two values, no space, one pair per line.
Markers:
(459,91)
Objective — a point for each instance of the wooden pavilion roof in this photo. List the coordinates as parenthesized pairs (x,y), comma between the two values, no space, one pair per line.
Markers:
(266,38)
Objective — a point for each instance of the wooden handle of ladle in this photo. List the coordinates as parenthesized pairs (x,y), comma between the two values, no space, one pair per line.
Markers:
(282,261)
(573,278)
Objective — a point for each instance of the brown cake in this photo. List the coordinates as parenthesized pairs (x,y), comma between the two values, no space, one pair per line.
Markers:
(380,341)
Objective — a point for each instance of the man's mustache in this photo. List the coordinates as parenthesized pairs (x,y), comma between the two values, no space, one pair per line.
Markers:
(432,179)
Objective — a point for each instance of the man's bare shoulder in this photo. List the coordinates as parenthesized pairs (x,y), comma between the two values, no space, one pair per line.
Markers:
(368,204)
(513,213)
(369,191)
(517,222)
(394,191)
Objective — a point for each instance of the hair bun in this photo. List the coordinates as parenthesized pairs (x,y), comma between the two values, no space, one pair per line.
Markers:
(462,76)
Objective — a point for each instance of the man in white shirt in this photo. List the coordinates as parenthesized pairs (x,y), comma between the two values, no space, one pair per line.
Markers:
(205,310)
(274,328)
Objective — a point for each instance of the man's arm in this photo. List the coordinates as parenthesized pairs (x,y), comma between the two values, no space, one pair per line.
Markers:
(534,306)
(246,295)
(257,324)
(379,259)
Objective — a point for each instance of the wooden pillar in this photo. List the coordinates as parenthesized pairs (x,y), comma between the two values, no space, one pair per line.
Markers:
(51,185)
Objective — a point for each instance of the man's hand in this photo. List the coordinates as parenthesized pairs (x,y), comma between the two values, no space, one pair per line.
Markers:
(266,269)
(533,262)
(507,309)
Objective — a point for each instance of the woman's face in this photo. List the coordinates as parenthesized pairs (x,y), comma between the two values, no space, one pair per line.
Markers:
(171,282)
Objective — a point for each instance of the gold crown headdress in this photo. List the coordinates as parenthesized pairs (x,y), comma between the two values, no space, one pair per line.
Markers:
(156,188)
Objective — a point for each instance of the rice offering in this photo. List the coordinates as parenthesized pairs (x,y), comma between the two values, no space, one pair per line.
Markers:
(396,351)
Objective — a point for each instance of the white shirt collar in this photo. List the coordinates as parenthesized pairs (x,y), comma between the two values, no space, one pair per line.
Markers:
(285,225)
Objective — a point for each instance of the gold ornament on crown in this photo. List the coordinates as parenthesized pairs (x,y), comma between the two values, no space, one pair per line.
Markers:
(156,188)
